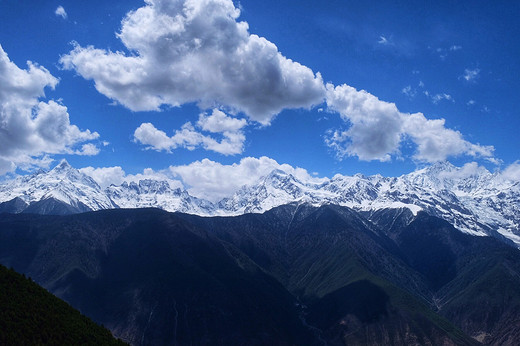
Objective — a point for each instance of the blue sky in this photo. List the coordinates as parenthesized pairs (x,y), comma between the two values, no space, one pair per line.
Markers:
(330,87)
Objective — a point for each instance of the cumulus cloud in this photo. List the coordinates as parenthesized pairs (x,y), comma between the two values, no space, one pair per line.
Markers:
(206,178)
(214,181)
(435,142)
(375,126)
(219,122)
(189,137)
(60,12)
(377,129)
(30,128)
(105,176)
(185,51)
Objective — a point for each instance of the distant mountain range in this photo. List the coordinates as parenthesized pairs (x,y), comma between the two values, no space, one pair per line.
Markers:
(295,275)
(478,203)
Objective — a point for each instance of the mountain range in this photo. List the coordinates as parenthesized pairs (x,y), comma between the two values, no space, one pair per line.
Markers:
(426,258)
(476,202)
(294,275)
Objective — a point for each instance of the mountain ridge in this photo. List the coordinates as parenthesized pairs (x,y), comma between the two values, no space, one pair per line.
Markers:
(357,278)
(476,202)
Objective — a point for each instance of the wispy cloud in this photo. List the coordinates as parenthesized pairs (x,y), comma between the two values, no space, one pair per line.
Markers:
(436,98)
(471,74)
(409,91)
(383,40)
(443,52)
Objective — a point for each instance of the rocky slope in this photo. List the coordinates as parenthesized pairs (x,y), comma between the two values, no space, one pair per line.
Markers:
(296,274)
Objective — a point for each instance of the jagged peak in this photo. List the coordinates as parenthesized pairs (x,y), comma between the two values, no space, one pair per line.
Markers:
(441,166)
(63,165)
(277,173)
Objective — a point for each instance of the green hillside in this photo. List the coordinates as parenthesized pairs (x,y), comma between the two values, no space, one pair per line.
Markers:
(29,315)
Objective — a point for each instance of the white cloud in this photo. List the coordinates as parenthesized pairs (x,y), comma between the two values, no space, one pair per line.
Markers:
(204,179)
(30,129)
(60,11)
(339,141)
(438,97)
(196,51)
(188,137)
(455,48)
(219,122)
(512,172)
(469,169)
(377,129)
(435,142)
(383,40)
(471,75)
(376,126)
(88,149)
(185,51)
(6,166)
(409,91)
(214,181)
(106,176)
(471,102)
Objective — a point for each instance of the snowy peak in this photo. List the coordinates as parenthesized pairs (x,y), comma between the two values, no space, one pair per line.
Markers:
(275,189)
(471,198)
(148,193)
(62,166)
(63,183)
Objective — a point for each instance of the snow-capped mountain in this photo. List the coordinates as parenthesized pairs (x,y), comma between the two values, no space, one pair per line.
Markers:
(153,193)
(275,189)
(79,192)
(474,201)
(63,184)
(480,203)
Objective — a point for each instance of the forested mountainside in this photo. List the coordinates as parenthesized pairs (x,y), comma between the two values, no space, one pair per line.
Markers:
(29,315)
